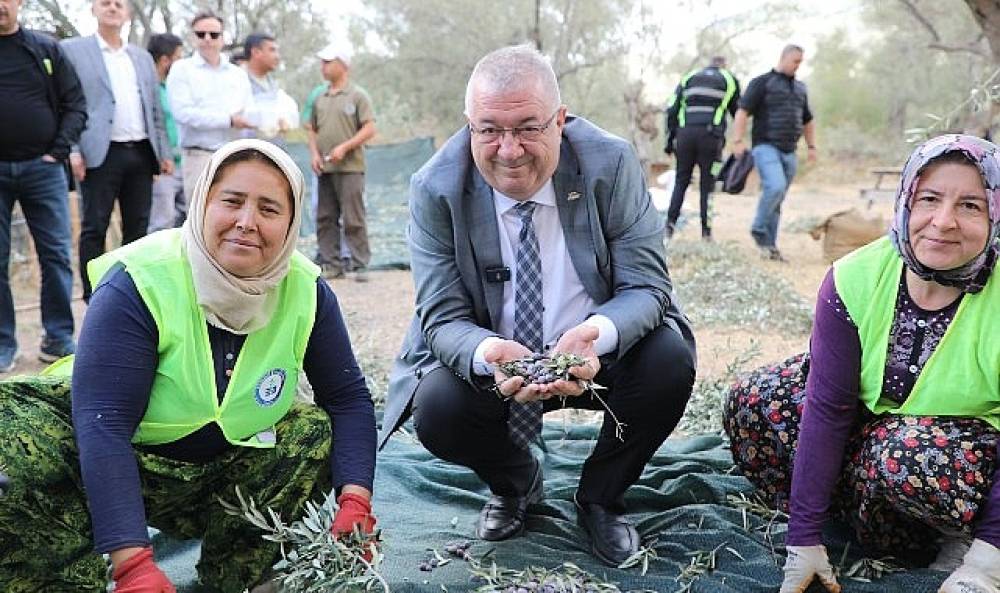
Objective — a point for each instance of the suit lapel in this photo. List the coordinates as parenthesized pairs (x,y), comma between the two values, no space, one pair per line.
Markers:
(574,215)
(145,93)
(137,66)
(485,240)
(99,67)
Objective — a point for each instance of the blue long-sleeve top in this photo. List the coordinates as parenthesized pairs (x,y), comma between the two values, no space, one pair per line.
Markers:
(112,376)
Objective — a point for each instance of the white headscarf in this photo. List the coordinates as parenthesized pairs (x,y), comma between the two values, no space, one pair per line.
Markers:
(238,304)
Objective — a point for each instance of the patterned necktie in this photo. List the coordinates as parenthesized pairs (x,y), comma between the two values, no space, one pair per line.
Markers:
(525,422)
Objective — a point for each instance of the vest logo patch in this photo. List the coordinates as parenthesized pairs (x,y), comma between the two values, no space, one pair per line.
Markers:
(269,387)
(350,109)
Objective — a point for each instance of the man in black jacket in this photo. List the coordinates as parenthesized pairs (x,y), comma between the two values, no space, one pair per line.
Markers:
(780,109)
(696,133)
(42,112)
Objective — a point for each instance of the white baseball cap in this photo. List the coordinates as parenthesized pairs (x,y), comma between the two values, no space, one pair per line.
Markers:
(335,51)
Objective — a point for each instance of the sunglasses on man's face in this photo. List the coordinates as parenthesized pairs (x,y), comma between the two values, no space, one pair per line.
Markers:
(212,34)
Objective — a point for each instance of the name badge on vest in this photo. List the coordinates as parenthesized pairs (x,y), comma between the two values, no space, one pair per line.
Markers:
(267,437)
(269,387)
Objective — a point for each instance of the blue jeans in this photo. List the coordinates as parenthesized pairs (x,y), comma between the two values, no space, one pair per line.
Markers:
(776,170)
(42,190)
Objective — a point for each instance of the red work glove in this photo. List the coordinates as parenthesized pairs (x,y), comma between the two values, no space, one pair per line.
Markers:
(354,510)
(139,574)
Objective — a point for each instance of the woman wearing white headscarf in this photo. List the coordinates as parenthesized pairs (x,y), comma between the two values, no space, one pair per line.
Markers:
(183,387)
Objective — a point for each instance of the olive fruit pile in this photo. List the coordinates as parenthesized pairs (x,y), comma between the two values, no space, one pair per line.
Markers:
(541,369)
(457,549)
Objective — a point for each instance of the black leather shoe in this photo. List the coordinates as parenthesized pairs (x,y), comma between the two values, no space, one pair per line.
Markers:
(503,516)
(612,538)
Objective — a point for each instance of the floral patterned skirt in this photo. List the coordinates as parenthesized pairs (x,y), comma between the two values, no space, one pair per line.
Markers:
(905,479)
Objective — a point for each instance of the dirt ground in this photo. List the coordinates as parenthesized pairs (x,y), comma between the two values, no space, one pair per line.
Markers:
(378,311)
(805,205)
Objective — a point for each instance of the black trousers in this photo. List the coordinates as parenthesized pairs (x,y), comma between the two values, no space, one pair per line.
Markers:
(695,146)
(125,175)
(647,390)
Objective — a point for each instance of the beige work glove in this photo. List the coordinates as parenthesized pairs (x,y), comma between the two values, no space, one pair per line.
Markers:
(804,563)
(979,572)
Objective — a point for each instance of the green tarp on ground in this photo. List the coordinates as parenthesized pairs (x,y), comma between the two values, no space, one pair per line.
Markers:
(681,498)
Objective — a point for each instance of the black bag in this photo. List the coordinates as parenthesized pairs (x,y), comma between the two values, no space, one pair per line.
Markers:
(735,171)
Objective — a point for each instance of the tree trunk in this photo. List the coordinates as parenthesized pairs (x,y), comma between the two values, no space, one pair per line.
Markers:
(987,15)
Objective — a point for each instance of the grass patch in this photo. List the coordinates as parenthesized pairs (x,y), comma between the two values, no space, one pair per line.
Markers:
(703,414)
(719,287)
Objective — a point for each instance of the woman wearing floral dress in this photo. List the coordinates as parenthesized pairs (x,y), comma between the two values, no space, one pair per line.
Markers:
(899,431)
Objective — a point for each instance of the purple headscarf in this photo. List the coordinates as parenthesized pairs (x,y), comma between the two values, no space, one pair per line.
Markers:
(985,156)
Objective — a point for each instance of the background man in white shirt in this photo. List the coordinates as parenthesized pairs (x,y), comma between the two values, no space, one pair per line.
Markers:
(125,142)
(274,112)
(532,231)
(209,98)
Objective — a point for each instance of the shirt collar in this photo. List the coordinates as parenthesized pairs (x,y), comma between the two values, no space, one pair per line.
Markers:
(105,47)
(545,196)
(330,91)
(782,74)
(199,60)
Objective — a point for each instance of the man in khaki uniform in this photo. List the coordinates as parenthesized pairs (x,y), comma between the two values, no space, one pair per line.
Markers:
(342,121)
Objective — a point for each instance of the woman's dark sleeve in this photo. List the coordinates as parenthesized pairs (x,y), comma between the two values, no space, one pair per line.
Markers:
(988,528)
(116,358)
(340,389)
(830,408)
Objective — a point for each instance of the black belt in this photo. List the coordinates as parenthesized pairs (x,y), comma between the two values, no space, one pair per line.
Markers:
(198,148)
(130,143)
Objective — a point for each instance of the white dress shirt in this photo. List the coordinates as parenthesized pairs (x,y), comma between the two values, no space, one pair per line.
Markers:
(203,98)
(565,302)
(128,123)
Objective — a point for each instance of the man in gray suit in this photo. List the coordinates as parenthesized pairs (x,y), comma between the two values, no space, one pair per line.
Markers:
(532,231)
(125,142)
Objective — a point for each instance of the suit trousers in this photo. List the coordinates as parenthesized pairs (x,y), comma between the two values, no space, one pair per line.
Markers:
(340,198)
(648,389)
(126,175)
(695,146)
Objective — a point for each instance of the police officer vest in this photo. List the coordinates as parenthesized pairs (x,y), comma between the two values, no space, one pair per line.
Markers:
(705,96)
(962,374)
(183,397)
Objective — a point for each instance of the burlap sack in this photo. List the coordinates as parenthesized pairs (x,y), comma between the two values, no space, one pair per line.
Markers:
(845,231)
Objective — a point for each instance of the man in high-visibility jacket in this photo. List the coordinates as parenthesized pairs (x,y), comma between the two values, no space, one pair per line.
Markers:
(696,133)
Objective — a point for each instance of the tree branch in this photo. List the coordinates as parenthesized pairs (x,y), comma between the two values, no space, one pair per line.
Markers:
(972,49)
(57,14)
(582,66)
(915,13)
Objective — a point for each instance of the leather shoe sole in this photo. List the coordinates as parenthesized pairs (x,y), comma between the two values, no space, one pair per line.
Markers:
(612,538)
(503,517)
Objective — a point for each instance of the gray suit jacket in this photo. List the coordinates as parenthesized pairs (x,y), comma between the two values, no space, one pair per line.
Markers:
(613,234)
(85,55)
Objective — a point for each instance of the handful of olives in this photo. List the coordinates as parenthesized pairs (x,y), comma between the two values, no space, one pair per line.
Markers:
(540,370)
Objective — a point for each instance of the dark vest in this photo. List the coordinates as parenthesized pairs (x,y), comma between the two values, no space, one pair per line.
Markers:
(705,97)
(778,120)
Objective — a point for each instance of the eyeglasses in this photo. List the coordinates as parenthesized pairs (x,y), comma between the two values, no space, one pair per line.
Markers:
(490,134)
(212,34)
